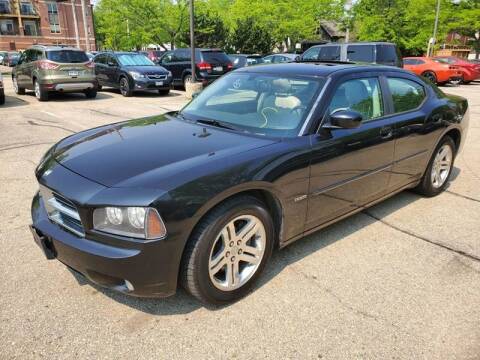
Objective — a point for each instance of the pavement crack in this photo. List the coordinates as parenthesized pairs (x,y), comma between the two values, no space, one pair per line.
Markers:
(409,233)
(462,196)
(106,113)
(25,145)
(33,123)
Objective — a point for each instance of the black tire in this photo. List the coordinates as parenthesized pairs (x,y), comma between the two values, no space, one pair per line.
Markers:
(466,82)
(99,87)
(2,97)
(426,186)
(91,93)
(40,93)
(187,79)
(125,88)
(194,274)
(430,75)
(164,91)
(18,90)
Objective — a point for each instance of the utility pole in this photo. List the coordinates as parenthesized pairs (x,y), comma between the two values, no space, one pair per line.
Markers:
(435,28)
(192,40)
(75,23)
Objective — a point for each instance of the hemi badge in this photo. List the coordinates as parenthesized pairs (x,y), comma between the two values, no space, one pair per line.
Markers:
(300,198)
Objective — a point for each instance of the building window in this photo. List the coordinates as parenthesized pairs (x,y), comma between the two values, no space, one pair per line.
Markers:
(4,7)
(30,28)
(7,27)
(26,8)
(53,18)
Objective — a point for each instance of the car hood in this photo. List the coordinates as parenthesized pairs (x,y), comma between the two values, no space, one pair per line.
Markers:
(150,152)
(147,69)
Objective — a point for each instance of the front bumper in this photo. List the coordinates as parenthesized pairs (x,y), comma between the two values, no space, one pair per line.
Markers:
(135,268)
(148,84)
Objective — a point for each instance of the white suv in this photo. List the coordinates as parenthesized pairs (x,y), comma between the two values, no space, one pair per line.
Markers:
(2,92)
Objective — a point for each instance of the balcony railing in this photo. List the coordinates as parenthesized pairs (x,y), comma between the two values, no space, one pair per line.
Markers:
(8,32)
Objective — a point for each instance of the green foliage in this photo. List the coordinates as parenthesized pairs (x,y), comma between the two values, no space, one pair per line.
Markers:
(250,38)
(210,31)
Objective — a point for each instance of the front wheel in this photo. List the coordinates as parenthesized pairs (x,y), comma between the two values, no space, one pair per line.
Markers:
(228,251)
(125,89)
(18,90)
(430,75)
(435,179)
(187,79)
(2,97)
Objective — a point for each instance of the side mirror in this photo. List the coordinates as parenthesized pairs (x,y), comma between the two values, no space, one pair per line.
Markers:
(111,64)
(346,119)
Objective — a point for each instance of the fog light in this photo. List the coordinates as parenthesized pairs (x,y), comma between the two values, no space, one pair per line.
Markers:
(129,285)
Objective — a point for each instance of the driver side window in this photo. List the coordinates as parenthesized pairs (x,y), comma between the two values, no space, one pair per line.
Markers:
(167,58)
(361,95)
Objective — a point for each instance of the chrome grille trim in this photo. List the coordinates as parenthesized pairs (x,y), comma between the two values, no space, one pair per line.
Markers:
(62,211)
(157,77)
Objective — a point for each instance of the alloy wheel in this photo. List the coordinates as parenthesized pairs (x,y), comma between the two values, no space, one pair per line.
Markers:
(124,86)
(15,85)
(431,77)
(441,166)
(237,252)
(37,90)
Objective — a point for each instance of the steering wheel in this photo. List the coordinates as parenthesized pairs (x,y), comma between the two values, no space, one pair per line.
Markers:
(299,109)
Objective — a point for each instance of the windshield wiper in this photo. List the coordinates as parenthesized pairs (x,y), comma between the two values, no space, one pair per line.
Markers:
(216,123)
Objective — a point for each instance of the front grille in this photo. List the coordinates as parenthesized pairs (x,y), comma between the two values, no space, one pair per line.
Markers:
(62,211)
(157,77)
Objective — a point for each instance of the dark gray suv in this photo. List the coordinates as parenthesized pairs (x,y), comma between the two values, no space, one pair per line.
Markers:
(362,52)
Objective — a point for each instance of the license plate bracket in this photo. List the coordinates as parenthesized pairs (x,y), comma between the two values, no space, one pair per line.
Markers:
(44,243)
(158,83)
(218,68)
(73,73)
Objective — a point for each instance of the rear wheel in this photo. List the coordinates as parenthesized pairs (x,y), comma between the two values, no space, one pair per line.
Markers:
(99,88)
(187,79)
(228,251)
(436,176)
(2,97)
(91,93)
(18,90)
(125,89)
(467,81)
(40,93)
(430,75)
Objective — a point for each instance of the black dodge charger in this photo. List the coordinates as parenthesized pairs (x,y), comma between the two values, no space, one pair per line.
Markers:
(262,157)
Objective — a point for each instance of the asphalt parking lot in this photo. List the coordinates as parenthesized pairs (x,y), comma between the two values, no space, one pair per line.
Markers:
(398,281)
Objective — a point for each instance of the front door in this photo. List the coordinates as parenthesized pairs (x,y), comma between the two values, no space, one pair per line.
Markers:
(351,167)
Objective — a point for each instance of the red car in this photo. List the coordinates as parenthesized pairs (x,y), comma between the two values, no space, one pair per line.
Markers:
(470,70)
(435,71)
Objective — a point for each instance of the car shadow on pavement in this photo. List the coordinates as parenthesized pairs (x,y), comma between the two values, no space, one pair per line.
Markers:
(141,94)
(183,303)
(12,101)
(65,97)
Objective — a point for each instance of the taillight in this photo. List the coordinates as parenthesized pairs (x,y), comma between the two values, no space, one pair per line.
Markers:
(48,65)
(204,66)
(90,65)
(230,66)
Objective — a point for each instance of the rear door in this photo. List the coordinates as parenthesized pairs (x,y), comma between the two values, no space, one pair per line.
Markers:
(111,70)
(351,167)
(329,53)
(361,53)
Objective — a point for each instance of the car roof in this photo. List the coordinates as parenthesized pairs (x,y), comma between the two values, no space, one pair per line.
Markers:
(54,47)
(315,68)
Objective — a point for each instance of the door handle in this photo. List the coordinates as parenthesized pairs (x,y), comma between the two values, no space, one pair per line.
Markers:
(386,132)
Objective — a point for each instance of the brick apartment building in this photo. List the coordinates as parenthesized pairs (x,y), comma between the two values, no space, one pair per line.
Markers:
(27,22)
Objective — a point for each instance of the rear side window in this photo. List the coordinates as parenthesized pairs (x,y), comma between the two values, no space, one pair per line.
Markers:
(361,53)
(181,55)
(386,54)
(328,53)
(406,94)
(360,95)
(409,61)
(311,54)
(67,56)
(215,57)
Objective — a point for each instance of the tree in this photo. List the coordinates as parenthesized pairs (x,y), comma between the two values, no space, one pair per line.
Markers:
(465,20)
(251,38)
(210,31)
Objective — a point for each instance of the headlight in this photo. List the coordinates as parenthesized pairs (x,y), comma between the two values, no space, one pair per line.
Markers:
(137,222)
(136,75)
(170,74)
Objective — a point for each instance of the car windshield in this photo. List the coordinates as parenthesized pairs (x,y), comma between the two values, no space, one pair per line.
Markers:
(134,60)
(264,104)
(67,56)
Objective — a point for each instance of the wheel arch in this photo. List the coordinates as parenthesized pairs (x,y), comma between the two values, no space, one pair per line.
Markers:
(456,136)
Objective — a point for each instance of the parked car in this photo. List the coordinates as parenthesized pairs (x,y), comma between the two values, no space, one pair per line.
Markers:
(361,52)
(2,90)
(280,58)
(470,70)
(210,65)
(11,59)
(241,60)
(130,72)
(154,55)
(46,69)
(262,157)
(435,71)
